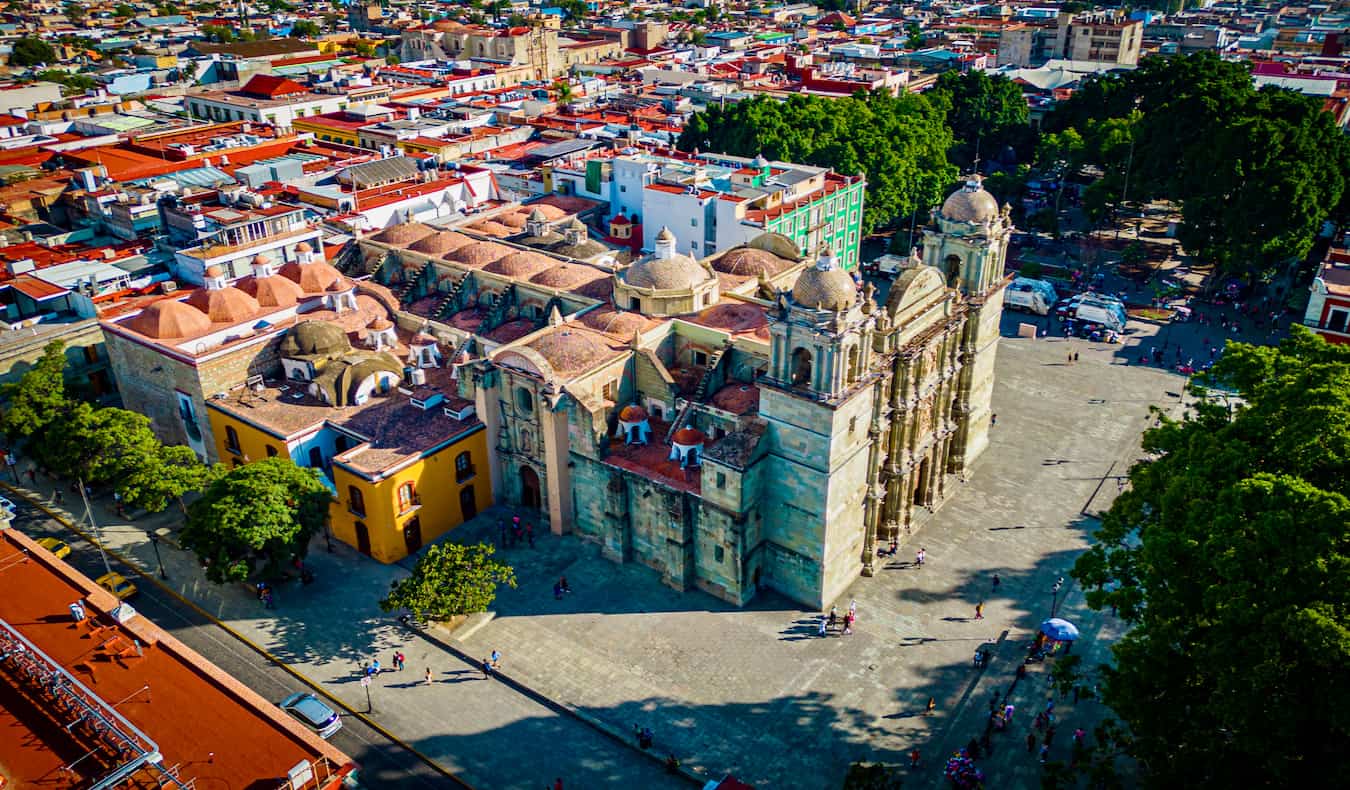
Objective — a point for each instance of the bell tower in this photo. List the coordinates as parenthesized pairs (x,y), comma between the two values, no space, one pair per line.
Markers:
(968,243)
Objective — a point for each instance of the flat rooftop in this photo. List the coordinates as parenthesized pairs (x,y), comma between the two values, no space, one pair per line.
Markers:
(209,728)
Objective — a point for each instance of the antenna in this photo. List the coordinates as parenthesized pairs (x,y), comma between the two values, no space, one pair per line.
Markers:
(977,154)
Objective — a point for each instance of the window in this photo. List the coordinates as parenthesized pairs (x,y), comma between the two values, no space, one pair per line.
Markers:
(719,553)
(524,400)
(1337,320)
(232,440)
(721,480)
(271,451)
(623,188)
(91,354)
(407,498)
(610,390)
(700,358)
(356,501)
(463,467)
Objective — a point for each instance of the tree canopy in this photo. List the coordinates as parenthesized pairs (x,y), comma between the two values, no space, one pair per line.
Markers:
(1229,555)
(899,143)
(1255,171)
(30,51)
(450,579)
(304,28)
(986,114)
(256,517)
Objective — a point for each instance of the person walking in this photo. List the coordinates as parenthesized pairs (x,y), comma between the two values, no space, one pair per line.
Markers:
(834,616)
(914,758)
(428,676)
(853,606)
(979,610)
(77,612)
(821,630)
(919,557)
(848,623)
(487,669)
(1045,754)
(932,706)
(997,582)
(496,660)
(375,667)
(398,661)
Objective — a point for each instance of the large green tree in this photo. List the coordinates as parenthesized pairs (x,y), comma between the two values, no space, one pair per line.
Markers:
(1229,556)
(257,517)
(38,398)
(450,579)
(30,51)
(96,445)
(165,474)
(899,143)
(1255,171)
(987,115)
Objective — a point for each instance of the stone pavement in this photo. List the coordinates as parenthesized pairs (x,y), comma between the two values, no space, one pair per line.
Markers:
(756,693)
(483,731)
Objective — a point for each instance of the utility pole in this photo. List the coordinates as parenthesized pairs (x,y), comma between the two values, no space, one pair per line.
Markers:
(98,531)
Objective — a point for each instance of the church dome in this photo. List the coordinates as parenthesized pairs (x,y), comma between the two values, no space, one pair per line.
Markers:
(521,265)
(170,318)
(274,291)
(665,269)
(570,351)
(823,287)
(228,305)
(479,254)
(315,339)
(751,262)
(403,235)
(688,436)
(566,276)
(440,243)
(970,203)
(632,413)
(313,277)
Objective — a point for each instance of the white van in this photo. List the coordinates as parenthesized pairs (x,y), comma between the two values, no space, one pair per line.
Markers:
(1033,296)
(1101,310)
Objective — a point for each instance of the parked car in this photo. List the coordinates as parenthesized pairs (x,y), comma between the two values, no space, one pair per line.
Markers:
(55,546)
(117,584)
(8,507)
(312,712)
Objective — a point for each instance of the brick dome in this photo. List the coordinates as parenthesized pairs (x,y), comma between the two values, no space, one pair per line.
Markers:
(479,254)
(440,243)
(169,318)
(403,235)
(521,265)
(688,436)
(750,262)
(567,276)
(570,351)
(228,305)
(632,413)
(274,291)
(314,277)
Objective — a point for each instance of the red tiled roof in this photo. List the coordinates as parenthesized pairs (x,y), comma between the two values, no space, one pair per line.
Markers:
(36,289)
(272,87)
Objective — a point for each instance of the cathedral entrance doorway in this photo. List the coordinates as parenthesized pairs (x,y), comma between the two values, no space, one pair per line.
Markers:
(921,483)
(529,488)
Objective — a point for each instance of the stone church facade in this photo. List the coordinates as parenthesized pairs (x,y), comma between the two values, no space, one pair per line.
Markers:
(737,423)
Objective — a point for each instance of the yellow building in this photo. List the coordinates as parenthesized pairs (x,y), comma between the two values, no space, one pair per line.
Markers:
(406,461)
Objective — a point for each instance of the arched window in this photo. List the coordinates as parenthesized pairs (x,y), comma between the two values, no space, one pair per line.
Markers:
(232,439)
(524,400)
(953,271)
(801,368)
(407,497)
(463,467)
(356,501)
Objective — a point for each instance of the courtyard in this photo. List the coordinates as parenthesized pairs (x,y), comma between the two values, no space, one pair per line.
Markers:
(755,692)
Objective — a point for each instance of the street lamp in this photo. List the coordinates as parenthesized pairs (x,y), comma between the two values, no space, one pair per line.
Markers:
(1054,595)
(365,683)
(154,541)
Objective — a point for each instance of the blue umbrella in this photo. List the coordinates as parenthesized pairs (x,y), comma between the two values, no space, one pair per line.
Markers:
(1059,629)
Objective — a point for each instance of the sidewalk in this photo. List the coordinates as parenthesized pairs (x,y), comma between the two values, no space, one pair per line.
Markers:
(483,731)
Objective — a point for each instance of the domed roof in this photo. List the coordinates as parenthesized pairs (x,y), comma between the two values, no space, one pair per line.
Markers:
(513,220)
(750,262)
(678,272)
(274,291)
(970,203)
(688,436)
(170,318)
(582,251)
(632,413)
(617,323)
(491,227)
(315,339)
(479,254)
(314,277)
(228,305)
(403,235)
(571,350)
(537,216)
(214,270)
(440,243)
(550,212)
(823,287)
(566,276)
(520,265)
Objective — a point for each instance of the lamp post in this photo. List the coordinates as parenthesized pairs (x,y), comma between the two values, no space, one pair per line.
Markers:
(154,541)
(1054,595)
(365,683)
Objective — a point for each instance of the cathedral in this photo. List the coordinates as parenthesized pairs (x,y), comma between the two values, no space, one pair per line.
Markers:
(743,421)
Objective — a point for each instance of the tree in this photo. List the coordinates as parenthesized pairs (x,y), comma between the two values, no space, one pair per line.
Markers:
(96,446)
(74,83)
(260,513)
(573,9)
(450,579)
(986,114)
(218,33)
(899,142)
(75,12)
(124,11)
(165,474)
(38,398)
(1229,555)
(304,28)
(30,51)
